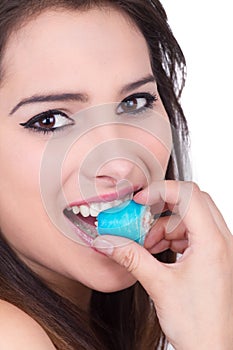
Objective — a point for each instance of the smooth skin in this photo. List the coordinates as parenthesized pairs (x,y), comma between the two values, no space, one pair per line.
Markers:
(19,331)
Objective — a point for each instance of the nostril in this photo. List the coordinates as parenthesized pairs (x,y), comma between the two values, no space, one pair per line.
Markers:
(108,179)
(118,169)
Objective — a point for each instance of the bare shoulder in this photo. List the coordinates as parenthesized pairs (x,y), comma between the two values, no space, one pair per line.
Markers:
(19,331)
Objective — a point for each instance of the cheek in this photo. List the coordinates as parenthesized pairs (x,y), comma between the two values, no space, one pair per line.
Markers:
(156,148)
(160,152)
(20,163)
(19,176)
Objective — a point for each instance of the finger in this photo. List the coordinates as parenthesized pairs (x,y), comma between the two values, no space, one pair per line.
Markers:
(177,246)
(188,202)
(168,228)
(155,235)
(133,257)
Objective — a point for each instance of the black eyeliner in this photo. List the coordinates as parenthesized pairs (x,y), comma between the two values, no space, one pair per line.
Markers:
(29,124)
(148,95)
(37,117)
(151,98)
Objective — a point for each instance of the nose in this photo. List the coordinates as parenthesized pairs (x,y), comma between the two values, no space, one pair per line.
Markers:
(117,163)
(119,160)
(117,170)
(115,156)
(119,175)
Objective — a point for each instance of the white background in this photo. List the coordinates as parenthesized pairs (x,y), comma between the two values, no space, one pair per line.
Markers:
(204,30)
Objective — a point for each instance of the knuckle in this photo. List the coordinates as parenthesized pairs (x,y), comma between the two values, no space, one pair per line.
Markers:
(195,187)
(191,188)
(206,196)
(131,259)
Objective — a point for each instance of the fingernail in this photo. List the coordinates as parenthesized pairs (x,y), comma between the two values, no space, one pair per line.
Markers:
(103,246)
(139,197)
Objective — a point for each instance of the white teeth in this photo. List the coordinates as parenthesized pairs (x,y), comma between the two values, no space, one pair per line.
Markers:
(101,206)
(118,202)
(93,212)
(75,210)
(95,208)
(107,205)
(84,210)
(96,223)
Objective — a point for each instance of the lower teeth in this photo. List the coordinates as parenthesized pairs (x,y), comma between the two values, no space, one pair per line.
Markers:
(82,225)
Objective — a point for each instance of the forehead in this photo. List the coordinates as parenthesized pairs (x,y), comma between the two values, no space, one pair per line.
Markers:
(60,45)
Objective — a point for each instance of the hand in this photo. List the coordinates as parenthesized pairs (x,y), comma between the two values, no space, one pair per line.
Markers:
(168,232)
(193,297)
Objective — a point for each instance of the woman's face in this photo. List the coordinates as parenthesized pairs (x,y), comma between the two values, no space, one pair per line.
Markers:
(67,62)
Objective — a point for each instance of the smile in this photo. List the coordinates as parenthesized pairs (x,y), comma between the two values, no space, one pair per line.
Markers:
(85,217)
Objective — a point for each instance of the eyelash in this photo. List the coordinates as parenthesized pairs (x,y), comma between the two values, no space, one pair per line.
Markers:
(150,101)
(43,116)
(149,98)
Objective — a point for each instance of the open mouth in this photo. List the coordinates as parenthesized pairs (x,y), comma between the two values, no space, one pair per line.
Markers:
(85,217)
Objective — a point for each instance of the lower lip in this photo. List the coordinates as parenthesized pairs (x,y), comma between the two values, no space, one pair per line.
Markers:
(85,238)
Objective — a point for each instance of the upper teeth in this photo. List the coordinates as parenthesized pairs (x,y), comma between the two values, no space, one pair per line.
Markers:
(95,208)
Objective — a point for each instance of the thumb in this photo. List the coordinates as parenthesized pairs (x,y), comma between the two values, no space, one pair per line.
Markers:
(134,258)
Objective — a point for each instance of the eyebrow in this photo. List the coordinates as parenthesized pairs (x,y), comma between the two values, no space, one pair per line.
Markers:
(50,98)
(63,97)
(132,86)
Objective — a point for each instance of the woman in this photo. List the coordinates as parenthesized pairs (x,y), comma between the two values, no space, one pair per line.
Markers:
(59,62)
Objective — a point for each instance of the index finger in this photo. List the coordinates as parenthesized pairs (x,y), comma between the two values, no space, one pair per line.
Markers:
(185,198)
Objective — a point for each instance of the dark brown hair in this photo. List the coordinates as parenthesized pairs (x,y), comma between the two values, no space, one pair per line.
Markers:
(123,320)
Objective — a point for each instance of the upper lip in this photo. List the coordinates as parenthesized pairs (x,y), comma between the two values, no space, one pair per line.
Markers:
(107,197)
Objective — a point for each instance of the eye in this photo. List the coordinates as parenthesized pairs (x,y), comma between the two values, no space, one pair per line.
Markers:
(136,103)
(49,121)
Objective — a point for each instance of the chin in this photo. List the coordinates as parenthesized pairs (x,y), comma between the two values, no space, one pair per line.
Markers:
(112,280)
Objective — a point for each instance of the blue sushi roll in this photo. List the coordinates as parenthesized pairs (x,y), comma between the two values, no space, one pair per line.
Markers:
(129,219)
